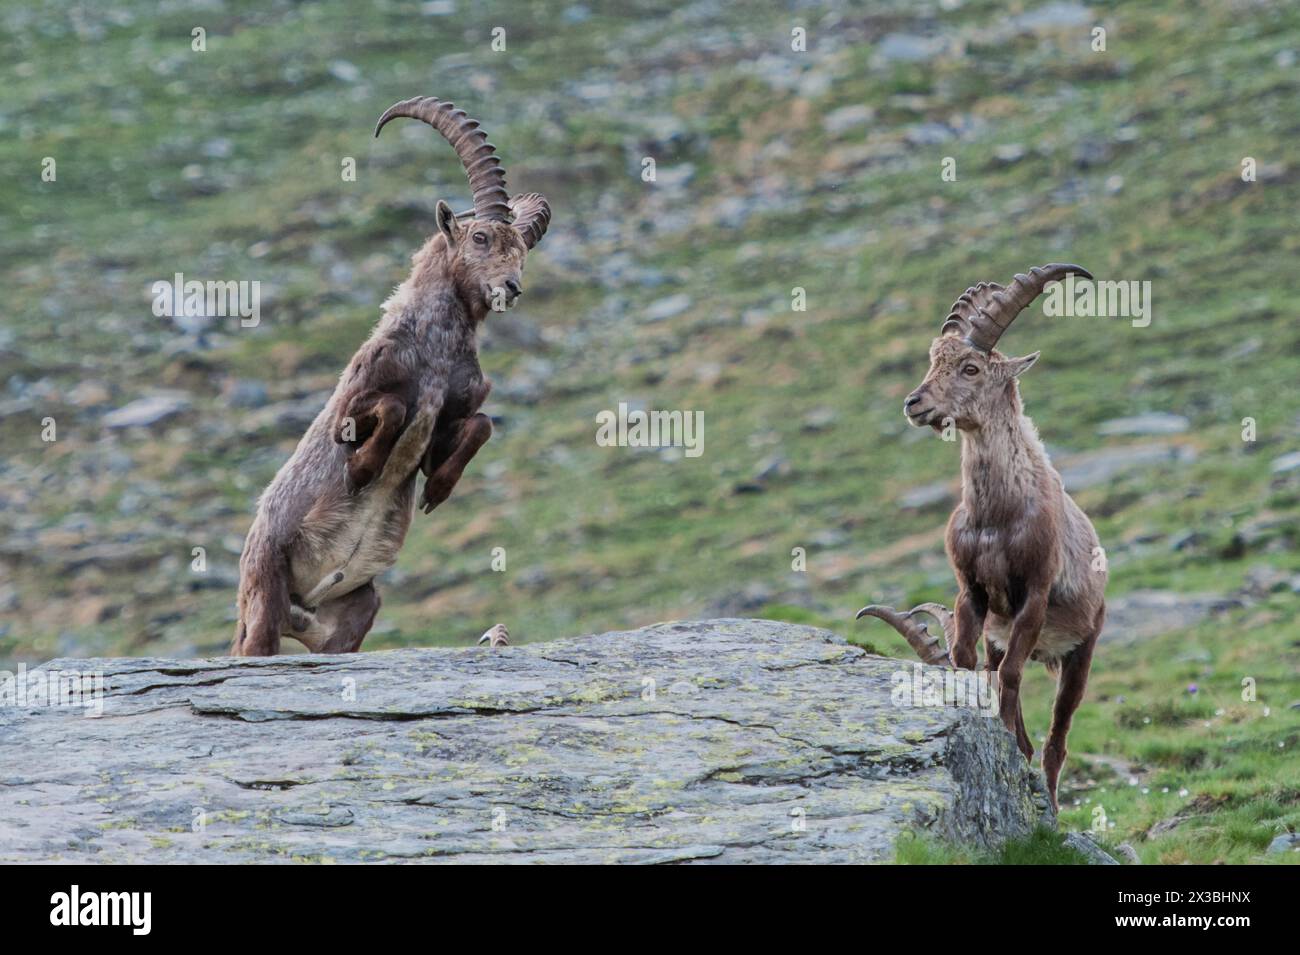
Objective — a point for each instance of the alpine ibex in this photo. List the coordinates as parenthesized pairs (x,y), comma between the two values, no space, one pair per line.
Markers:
(1026,558)
(336,514)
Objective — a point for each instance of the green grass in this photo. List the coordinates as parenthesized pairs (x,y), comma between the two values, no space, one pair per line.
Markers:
(1042,847)
(1223,768)
(600,539)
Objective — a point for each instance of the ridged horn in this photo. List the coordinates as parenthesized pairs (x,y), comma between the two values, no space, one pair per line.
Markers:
(532,214)
(487,178)
(984,311)
(930,648)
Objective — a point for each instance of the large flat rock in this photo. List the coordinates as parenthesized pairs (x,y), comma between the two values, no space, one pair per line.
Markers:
(719,740)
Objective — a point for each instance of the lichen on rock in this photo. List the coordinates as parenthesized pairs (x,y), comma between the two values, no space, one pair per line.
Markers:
(727,740)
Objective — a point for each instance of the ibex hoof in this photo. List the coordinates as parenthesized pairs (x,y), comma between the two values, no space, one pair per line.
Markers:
(301,619)
(435,493)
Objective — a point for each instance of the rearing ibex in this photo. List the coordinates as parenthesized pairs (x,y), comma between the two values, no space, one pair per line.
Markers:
(336,514)
(1029,569)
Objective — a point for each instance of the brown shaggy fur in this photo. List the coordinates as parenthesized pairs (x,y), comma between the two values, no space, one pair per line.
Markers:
(1030,571)
(336,514)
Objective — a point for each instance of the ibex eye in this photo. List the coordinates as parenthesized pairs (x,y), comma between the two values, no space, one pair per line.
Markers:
(970,371)
(480,238)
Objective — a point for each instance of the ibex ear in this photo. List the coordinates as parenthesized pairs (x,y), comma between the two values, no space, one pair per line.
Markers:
(446,223)
(1015,367)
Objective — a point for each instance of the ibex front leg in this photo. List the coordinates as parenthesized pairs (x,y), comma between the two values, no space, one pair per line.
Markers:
(1025,628)
(444,473)
(970,610)
(371,421)
(993,657)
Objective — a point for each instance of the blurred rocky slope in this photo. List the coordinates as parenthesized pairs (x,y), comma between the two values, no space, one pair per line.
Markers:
(775,170)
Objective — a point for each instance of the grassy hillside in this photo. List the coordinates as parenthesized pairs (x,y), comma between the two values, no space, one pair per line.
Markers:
(776,170)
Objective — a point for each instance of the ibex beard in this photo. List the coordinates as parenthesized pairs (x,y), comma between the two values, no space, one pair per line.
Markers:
(1031,576)
(337,513)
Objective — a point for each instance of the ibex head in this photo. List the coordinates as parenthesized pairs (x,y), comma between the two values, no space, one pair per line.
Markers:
(968,379)
(485,246)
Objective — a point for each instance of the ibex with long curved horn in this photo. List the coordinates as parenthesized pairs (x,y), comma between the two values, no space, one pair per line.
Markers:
(336,514)
(1030,572)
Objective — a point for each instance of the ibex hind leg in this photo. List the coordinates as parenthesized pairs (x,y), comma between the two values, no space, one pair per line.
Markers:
(1071,683)
(340,625)
(263,615)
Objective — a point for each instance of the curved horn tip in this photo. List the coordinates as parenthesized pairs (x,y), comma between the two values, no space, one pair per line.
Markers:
(936,610)
(531,213)
(879,610)
(400,108)
(1065,267)
(467,137)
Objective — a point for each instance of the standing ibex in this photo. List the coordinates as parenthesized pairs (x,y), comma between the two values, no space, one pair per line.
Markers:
(336,514)
(1027,560)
